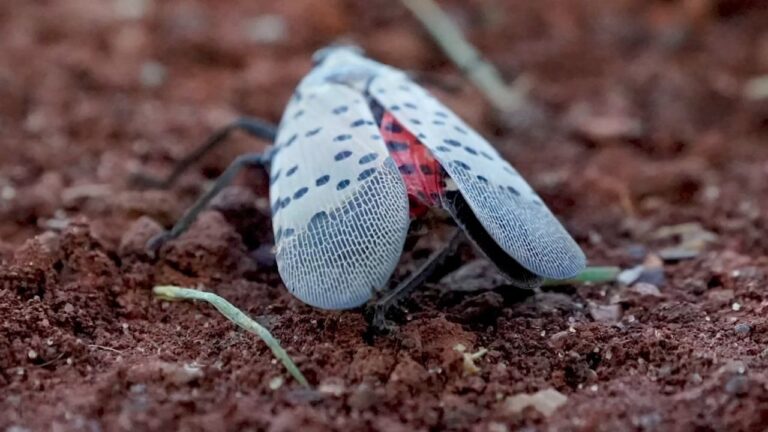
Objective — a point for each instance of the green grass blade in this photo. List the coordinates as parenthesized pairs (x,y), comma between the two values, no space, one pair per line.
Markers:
(169,292)
(588,275)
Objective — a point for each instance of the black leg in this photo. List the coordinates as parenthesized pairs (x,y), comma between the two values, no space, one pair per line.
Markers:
(465,218)
(416,279)
(251,159)
(254,127)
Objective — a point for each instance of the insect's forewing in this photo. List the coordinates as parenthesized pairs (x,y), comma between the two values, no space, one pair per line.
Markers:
(340,208)
(511,212)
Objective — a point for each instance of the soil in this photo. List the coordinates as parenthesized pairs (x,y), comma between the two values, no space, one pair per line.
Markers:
(638,122)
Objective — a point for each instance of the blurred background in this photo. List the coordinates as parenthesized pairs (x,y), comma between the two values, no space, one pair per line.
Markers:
(654,107)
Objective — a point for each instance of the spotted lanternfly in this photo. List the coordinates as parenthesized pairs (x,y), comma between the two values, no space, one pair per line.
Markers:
(361,150)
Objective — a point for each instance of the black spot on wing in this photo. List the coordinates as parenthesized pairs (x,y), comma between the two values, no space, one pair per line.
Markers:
(274,177)
(397,146)
(290,140)
(393,127)
(340,110)
(365,174)
(407,168)
(318,218)
(300,193)
(322,180)
(462,165)
(370,157)
(452,142)
(343,137)
(313,132)
(340,156)
(342,184)
(291,171)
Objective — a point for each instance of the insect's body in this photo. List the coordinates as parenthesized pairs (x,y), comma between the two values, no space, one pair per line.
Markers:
(421,173)
(360,150)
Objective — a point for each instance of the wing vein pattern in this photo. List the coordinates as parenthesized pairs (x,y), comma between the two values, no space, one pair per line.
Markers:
(339,205)
(511,212)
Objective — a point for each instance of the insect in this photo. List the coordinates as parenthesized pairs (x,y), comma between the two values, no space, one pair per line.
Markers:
(361,150)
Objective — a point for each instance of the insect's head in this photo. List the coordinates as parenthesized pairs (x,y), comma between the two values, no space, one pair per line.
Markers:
(335,50)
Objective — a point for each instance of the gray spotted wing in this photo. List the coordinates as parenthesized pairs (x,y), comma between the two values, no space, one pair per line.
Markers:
(511,212)
(340,208)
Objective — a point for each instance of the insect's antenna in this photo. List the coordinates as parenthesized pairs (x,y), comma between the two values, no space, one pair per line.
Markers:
(255,127)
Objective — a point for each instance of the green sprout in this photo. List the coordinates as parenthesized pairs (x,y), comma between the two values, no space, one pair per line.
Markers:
(589,275)
(169,292)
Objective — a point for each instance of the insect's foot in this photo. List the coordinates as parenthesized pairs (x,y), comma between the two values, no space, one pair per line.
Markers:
(156,242)
(379,323)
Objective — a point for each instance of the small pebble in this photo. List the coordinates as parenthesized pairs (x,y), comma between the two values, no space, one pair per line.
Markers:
(637,251)
(605,313)
(696,379)
(153,74)
(268,29)
(544,401)
(276,382)
(645,289)
(742,329)
(363,397)
(738,385)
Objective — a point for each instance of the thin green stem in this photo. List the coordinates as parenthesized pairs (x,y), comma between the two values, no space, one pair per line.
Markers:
(481,72)
(169,292)
(588,275)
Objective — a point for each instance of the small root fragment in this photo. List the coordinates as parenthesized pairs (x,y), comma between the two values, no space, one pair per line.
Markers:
(470,368)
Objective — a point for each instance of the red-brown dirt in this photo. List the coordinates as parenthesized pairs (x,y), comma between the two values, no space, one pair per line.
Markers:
(641,123)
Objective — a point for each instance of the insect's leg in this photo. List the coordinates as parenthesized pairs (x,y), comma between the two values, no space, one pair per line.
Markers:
(250,159)
(464,216)
(252,126)
(416,279)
